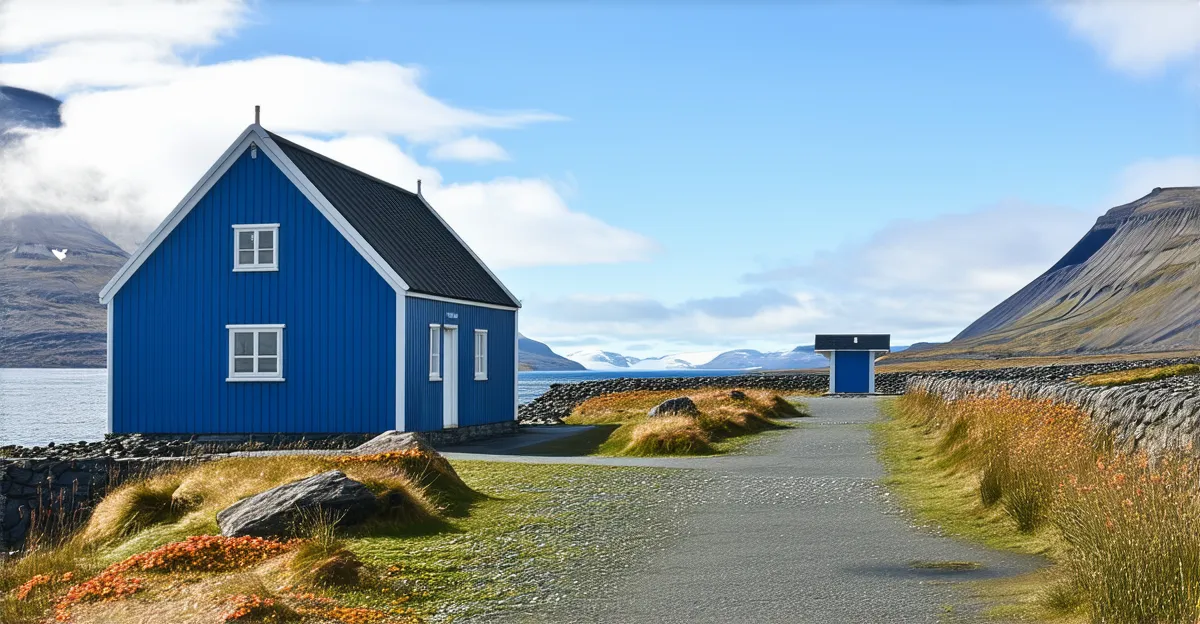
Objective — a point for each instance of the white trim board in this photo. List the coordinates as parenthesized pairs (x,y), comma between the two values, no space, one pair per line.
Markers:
(110,367)
(401,421)
(418,295)
(254,134)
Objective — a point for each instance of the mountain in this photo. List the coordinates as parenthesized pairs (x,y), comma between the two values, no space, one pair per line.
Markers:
(666,362)
(20,108)
(537,356)
(594,359)
(52,268)
(800,357)
(1131,284)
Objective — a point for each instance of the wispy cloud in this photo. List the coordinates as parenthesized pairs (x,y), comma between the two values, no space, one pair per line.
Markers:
(142,120)
(1137,36)
(469,149)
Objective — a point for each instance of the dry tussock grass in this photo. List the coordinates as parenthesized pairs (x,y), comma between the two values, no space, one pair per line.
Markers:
(1127,525)
(721,416)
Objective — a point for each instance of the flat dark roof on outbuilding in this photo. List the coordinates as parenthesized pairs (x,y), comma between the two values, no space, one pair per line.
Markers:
(853,342)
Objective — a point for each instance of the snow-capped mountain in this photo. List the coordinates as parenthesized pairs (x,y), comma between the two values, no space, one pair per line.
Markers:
(594,359)
(800,357)
(666,362)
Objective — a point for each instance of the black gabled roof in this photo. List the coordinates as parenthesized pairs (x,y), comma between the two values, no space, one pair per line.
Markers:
(853,342)
(401,228)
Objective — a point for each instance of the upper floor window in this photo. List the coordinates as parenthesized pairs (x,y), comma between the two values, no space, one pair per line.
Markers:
(255,352)
(481,355)
(256,247)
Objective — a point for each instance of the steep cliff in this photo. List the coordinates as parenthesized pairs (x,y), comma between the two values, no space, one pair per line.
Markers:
(1131,284)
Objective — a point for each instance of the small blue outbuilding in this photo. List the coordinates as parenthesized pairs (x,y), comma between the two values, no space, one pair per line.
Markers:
(289,293)
(852,360)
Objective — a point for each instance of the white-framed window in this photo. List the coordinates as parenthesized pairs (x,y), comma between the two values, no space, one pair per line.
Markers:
(481,355)
(255,352)
(435,353)
(256,247)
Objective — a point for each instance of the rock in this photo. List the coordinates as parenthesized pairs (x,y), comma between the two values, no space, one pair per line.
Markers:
(679,406)
(737,395)
(394,442)
(275,512)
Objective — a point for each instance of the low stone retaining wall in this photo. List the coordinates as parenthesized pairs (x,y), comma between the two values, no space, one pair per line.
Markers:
(60,494)
(1153,416)
(461,435)
(558,402)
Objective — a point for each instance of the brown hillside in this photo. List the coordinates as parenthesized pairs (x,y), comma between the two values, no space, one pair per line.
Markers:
(1130,285)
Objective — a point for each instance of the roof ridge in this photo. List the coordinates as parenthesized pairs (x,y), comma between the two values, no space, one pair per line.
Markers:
(331,161)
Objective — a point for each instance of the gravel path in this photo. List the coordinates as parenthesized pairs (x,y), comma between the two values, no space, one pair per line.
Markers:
(797,529)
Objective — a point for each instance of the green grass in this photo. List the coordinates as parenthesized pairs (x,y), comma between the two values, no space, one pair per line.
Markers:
(1139,375)
(530,530)
(941,492)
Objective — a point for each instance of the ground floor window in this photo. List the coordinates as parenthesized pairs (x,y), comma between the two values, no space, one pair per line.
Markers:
(255,352)
(481,355)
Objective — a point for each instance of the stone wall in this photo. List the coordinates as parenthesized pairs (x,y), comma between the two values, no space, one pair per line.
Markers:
(1153,416)
(59,494)
(460,435)
(558,402)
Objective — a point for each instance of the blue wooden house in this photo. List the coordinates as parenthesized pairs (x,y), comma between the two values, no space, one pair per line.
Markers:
(289,293)
(852,360)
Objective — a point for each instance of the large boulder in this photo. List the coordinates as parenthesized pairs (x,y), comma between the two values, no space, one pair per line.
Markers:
(274,513)
(394,442)
(679,406)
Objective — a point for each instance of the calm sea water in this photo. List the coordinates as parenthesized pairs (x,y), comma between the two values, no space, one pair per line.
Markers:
(39,405)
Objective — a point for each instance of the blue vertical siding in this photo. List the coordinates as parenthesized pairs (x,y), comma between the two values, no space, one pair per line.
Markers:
(170,344)
(853,371)
(479,402)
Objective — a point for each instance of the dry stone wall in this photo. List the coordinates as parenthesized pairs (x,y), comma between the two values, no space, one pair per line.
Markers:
(558,402)
(1153,416)
(58,493)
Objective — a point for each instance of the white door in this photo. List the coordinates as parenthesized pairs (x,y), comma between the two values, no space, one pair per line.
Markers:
(449,376)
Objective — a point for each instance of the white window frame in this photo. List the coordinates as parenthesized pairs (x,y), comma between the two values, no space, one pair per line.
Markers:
(256,228)
(481,355)
(255,375)
(435,352)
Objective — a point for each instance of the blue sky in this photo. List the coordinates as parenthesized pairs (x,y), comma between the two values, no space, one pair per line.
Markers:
(786,168)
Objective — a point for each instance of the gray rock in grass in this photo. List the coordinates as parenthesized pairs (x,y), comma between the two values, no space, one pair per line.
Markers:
(679,406)
(275,512)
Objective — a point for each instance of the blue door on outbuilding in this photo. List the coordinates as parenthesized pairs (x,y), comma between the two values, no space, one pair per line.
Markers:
(853,371)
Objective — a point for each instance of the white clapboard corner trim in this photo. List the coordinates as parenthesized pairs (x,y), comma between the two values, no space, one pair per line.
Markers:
(258,136)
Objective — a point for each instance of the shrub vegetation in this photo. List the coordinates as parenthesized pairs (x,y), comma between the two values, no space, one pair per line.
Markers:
(1139,375)
(1123,528)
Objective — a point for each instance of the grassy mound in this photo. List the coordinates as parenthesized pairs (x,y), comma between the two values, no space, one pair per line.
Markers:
(414,490)
(1139,375)
(724,414)
(1123,529)
(160,516)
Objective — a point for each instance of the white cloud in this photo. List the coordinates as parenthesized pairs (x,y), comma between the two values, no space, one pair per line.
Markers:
(918,280)
(1141,177)
(142,122)
(470,149)
(1137,36)
(26,25)
(509,222)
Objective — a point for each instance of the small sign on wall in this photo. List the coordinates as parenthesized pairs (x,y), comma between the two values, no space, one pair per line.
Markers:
(452,315)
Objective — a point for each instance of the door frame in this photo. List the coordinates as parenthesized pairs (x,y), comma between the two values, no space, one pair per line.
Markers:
(450,376)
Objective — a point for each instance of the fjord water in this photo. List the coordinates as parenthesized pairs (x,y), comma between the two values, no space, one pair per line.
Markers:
(40,405)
